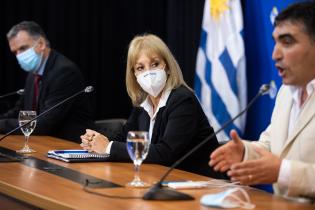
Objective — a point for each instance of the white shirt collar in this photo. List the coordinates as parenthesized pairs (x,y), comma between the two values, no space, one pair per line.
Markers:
(297,91)
(147,106)
(41,69)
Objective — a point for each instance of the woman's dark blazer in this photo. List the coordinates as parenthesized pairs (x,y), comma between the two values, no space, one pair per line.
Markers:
(179,126)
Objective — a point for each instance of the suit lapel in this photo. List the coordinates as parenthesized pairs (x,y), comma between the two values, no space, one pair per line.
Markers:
(29,92)
(306,115)
(283,126)
(157,125)
(49,65)
(144,121)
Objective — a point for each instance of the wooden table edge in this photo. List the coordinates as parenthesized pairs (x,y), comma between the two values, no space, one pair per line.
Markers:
(32,198)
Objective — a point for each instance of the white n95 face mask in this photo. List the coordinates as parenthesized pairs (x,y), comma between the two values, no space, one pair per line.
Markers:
(231,198)
(152,81)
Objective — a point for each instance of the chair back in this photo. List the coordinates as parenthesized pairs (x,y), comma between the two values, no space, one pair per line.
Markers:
(110,127)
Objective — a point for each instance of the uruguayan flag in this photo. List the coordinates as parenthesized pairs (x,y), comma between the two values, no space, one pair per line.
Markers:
(220,81)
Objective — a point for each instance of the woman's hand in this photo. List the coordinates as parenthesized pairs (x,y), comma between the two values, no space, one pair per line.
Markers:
(94,142)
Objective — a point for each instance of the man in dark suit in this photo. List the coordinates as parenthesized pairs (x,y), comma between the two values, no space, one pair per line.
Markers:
(51,78)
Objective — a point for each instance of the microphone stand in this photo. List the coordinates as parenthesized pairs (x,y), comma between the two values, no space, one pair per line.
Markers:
(156,192)
(19,92)
(88,89)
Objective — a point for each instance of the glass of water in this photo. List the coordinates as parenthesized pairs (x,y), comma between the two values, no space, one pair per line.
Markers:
(138,144)
(25,117)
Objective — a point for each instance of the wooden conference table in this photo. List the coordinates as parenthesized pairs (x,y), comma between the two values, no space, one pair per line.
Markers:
(41,187)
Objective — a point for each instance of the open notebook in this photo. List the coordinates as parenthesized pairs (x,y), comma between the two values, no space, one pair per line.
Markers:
(76,156)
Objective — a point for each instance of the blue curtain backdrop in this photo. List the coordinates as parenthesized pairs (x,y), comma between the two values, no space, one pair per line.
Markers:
(258,28)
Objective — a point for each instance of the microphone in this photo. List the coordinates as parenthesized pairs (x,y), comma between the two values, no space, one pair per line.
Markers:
(88,89)
(156,192)
(19,92)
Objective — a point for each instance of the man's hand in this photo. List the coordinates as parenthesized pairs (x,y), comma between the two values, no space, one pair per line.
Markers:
(232,152)
(264,170)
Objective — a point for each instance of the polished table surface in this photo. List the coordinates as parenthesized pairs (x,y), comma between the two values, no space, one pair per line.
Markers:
(48,191)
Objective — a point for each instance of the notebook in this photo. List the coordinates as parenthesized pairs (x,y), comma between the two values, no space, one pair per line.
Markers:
(76,156)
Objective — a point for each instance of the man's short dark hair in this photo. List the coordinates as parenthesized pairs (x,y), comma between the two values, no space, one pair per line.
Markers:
(302,12)
(31,27)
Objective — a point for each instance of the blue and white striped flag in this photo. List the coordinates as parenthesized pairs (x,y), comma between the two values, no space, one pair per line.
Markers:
(220,81)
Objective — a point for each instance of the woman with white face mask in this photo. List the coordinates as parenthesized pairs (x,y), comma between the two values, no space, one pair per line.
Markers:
(164,106)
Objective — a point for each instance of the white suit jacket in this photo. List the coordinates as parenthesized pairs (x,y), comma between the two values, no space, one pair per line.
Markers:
(299,147)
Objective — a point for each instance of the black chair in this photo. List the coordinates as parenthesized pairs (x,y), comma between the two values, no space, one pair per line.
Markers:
(110,127)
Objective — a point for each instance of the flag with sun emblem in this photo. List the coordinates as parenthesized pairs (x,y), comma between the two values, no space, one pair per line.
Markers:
(220,80)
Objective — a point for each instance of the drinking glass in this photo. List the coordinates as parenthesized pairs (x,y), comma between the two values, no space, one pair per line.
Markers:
(138,144)
(25,117)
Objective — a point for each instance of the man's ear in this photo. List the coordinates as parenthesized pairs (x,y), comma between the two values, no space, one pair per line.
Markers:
(41,46)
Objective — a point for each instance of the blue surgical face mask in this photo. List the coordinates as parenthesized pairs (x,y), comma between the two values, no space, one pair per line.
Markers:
(29,60)
(231,198)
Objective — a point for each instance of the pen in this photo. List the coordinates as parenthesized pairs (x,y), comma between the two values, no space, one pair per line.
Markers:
(165,183)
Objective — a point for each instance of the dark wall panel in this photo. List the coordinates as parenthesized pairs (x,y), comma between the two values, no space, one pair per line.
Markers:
(95,35)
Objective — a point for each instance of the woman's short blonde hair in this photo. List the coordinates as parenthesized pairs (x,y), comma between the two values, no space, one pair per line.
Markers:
(150,44)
